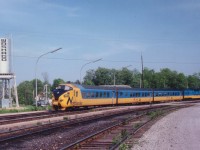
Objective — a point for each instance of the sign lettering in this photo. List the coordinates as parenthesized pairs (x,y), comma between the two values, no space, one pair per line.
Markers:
(3,50)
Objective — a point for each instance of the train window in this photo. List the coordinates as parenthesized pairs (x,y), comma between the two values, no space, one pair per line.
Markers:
(92,95)
(131,94)
(146,94)
(108,94)
(137,94)
(143,94)
(126,94)
(104,94)
(88,95)
(64,87)
(121,93)
(76,93)
(134,94)
(97,94)
(156,94)
(83,94)
(100,94)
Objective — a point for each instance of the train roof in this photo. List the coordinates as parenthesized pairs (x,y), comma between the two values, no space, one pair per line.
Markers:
(104,87)
(118,87)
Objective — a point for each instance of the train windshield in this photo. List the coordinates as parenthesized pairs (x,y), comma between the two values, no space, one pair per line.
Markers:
(63,87)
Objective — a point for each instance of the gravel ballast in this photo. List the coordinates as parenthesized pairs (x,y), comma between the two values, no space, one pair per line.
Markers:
(179,130)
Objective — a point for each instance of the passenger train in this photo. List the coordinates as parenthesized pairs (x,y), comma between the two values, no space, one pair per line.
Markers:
(67,96)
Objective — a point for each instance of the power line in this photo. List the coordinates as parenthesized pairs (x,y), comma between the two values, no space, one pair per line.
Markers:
(112,61)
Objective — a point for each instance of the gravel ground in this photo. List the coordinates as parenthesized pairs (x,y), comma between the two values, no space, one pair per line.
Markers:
(179,130)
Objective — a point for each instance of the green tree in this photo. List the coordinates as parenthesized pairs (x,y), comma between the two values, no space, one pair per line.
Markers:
(136,79)
(40,85)
(25,93)
(89,77)
(56,82)
(193,81)
(103,76)
(150,78)
(126,77)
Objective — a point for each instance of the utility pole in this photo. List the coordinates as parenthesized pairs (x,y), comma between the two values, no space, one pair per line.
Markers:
(142,76)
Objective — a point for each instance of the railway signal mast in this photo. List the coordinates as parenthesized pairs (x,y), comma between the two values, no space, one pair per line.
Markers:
(6,75)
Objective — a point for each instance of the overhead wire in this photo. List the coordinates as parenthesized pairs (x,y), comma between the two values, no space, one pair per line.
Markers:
(114,61)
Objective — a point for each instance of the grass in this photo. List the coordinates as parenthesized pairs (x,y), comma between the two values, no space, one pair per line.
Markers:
(154,114)
(137,125)
(23,109)
(39,123)
(65,118)
(120,136)
(123,147)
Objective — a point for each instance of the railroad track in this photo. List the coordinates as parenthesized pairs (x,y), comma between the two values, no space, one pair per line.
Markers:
(16,118)
(67,126)
(9,119)
(113,136)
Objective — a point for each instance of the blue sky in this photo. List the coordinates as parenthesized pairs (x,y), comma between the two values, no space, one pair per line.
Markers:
(166,32)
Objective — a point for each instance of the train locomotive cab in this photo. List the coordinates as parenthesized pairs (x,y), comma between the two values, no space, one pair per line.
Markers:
(62,97)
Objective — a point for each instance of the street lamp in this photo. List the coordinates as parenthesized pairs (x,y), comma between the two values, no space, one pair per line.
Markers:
(87,64)
(53,51)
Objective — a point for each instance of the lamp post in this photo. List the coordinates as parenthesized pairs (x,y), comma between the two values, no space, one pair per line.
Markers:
(87,64)
(53,51)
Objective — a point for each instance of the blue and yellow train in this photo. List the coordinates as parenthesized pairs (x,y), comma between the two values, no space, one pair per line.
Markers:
(73,95)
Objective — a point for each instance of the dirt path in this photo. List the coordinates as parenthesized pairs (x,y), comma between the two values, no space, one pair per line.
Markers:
(179,130)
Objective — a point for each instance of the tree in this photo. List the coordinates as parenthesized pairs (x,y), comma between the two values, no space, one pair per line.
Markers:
(89,78)
(136,79)
(103,76)
(25,93)
(56,82)
(126,77)
(40,85)
(193,81)
(149,78)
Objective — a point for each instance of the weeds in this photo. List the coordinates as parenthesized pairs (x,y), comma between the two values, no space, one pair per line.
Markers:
(124,133)
(120,136)
(39,123)
(137,125)
(154,114)
(23,109)
(65,118)
(123,147)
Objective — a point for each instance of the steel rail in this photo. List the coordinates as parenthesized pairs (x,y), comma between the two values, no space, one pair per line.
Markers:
(57,125)
(98,133)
